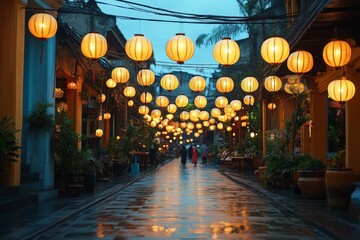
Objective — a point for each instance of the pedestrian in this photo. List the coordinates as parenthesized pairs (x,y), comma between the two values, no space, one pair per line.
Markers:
(190,152)
(153,155)
(183,155)
(204,153)
(194,155)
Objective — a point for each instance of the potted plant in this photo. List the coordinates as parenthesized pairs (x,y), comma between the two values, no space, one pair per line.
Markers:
(90,166)
(9,146)
(311,176)
(39,119)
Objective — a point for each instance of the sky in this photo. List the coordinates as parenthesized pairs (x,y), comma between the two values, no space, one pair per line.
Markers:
(160,32)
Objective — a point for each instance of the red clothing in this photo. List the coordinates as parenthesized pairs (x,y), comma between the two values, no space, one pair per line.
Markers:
(194,155)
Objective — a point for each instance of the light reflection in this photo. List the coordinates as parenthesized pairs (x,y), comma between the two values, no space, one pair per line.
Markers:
(156,228)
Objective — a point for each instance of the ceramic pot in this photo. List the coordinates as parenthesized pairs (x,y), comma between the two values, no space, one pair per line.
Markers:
(312,184)
(355,197)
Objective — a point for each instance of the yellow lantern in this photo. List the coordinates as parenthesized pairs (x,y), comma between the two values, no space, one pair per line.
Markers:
(171,108)
(204,115)
(42,25)
(229,129)
(252,134)
(190,125)
(153,124)
(120,75)
(220,126)
(337,53)
(215,112)
(226,52)
(300,62)
(145,77)
(236,105)
(72,85)
(156,113)
(275,50)
(341,90)
(99,133)
(224,84)
(146,97)
(198,126)
(138,48)
(169,82)
(223,118)
(194,115)
(162,101)
(169,116)
(249,84)
(221,102)
(93,45)
(143,109)
(101,98)
(212,120)
(200,101)
(59,93)
(228,110)
(249,100)
(184,115)
(292,88)
(129,91)
(181,101)
(110,83)
(244,117)
(272,83)
(196,134)
(183,124)
(180,48)
(243,124)
(197,84)
(271,106)
(212,127)
(130,103)
(206,123)
(61,107)
(107,116)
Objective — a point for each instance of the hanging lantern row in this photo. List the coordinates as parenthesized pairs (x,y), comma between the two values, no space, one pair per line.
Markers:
(180,48)
(224,84)
(197,84)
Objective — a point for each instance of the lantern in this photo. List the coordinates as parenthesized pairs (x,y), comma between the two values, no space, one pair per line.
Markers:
(107,116)
(204,115)
(198,125)
(169,116)
(146,97)
(61,107)
(99,132)
(138,48)
(190,125)
(156,113)
(212,121)
(194,115)
(162,101)
(110,83)
(300,62)
(196,135)
(153,124)
(229,129)
(224,84)
(341,90)
(197,84)
(72,85)
(212,127)
(169,82)
(236,105)
(249,84)
(180,48)
(223,118)
(101,98)
(271,106)
(275,50)
(145,77)
(59,93)
(171,108)
(252,134)
(143,109)
(228,110)
(206,123)
(249,100)
(292,88)
(243,124)
(120,75)
(181,101)
(226,52)
(129,91)
(272,83)
(130,103)
(184,115)
(200,101)
(220,126)
(337,53)
(93,45)
(42,25)
(221,102)
(215,112)
(183,124)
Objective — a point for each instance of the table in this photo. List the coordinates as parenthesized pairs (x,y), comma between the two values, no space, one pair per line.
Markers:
(238,161)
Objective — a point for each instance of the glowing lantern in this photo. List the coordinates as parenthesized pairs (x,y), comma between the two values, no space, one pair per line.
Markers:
(180,48)
(129,91)
(162,101)
(204,115)
(107,116)
(156,113)
(292,88)
(212,120)
(110,83)
(59,93)
(243,124)
(72,85)
(300,62)
(229,129)
(93,45)
(212,127)
(249,84)
(190,125)
(120,75)
(198,125)
(138,48)
(337,53)
(223,118)
(99,132)
(271,106)
(146,97)
(236,105)
(143,109)
(171,108)
(130,103)
(197,84)
(200,101)
(224,84)
(42,25)
(169,82)
(62,107)
(181,101)
(252,134)
(183,125)
(221,102)
(194,114)
(272,83)
(226,52)
(206,123)
(249,100)
(196,135)
(341,90)
(184,115)
(101,98)
(220,126)
(153,124)
(275,50)
(215,112)
(145,77)
(169,116)
(228,110)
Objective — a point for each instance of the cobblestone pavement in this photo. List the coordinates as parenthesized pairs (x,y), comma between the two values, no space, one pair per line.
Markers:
(188,202)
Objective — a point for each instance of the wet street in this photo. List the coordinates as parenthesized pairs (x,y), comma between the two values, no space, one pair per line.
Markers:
(188,202)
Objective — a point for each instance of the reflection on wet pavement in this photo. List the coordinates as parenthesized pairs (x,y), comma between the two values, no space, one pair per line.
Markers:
(185,203)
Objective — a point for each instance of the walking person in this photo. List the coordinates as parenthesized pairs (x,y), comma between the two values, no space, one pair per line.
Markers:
(190,150)
(194,155)
(184,154)
(204,153)
(153,156)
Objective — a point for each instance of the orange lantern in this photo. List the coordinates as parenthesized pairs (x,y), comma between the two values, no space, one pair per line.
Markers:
(129,91)
(146,97)
(143,109)
(226,52)
(99,133)
(107,116)
(171,108)
(181,101)
(215,112)
(42,25)
(271,106)
(138,48)
(162,101)
(275,50)
(200,101)
(337,53)
(130,103)
(236,105)
(169,82)
(145,77)
(300,62)
(249,100)
(120,75)
(224,84)
(273,83)
(249,84)
(72,85)
(110,83)
(197,84)
(221,102)
(341,90)
(180,48)
(93,45)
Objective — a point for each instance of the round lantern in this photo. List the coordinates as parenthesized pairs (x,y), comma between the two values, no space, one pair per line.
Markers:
(42,25)
(292,88)
(180,48)
(204,115)
(110,83)
(93,45)
(226,52)
(275,50)
(200,101)
(212,120)
(197,84)
(249,84)
(107,116)
(129,91)
(162,101)
(220,126)
(337,53)
(212,127)
(138,48)
(72,85)
(143,109)
(61,107)
(215,112)
(120,75)
(224,84)
(59,93)
(145,77)
(272,83)
(156,113)
(194,114)
(130,103)
(243,124)
(300,62)
(271,106)
(206,123)
(190,125)
(252,134)
(196,134)
(153,124)
(198,126)
(99,132)
(228,110)
(236,105)
(171,108)
(146,97)
(170,116)
(221,102)
(184,115)
(249,100)
(223,118)
(169,82)
(229,129)
(181,101)
(341,90)
(101,98)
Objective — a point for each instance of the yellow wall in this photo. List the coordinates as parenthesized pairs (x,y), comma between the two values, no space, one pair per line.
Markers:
(318,108)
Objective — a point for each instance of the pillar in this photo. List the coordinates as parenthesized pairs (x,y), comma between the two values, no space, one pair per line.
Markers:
(318,138)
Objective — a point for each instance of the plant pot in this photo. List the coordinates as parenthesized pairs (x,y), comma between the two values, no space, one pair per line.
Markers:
(355,197)
(312,184)
(339,187)
(90,181)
